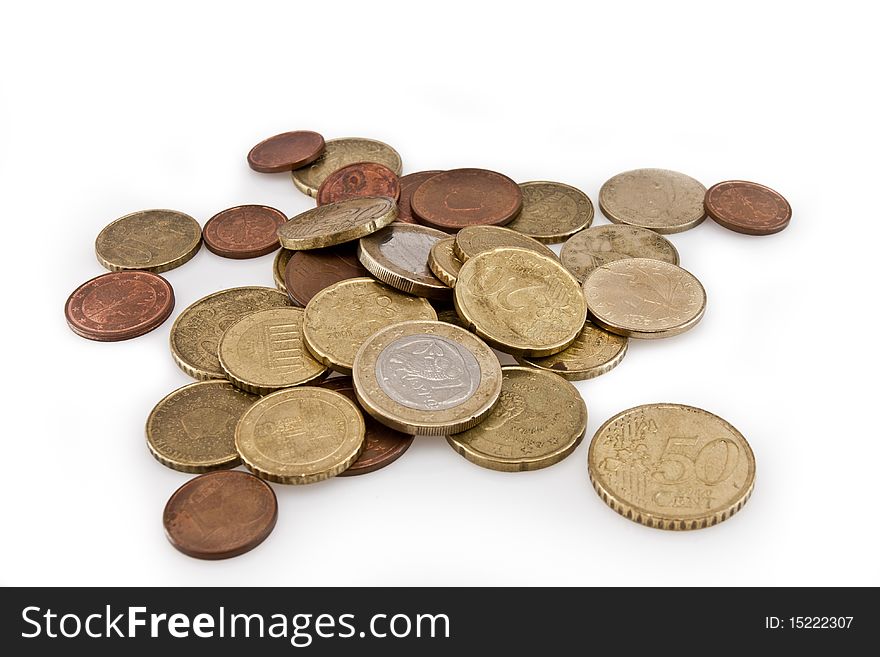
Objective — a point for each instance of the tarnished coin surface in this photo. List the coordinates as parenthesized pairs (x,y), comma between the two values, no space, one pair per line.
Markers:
(538,421)
(747,207)
(193,428)
(309,272)
(466,197)
(408,186)
(245,231)
(472,240)
(596,246)
(661,200)
(279,266)
(552,211)
(149,240)
(300,435)
(339,153)
(643,298)
(336,223)
(339,318)
(443,262)
(594,352)
(357,180)
(287,151)
(520,302)
(398,255)
(426,377)
(671,466)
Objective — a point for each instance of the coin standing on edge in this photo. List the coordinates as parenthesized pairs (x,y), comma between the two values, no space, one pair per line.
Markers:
(671,466)
(595,351)
(339,153)
(359,180)
(443,262)
(471,240)
(661,200)
(599,245)
(408,186)
(552,211)
(245,231)
(309,272)
(747,207)
(149,240)
(287,151)
(336,223)
(279,266)
(466,197)
(398,255)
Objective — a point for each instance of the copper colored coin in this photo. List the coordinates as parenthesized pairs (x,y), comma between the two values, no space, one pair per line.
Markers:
(245,231)
(408,186)
(359,179)
(382,445)
(220,514)
(309,272)
(747,207)
(287,151)
(467,197)
(119,305)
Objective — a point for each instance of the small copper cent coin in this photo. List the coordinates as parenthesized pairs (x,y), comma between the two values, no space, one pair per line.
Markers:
(149,240)
(398,255)
(467,197)
(339,153)
(245,231)
(658,199)
(285,152)
(408,186)
(747,207)
(337,223)
(309,272)
(358,180)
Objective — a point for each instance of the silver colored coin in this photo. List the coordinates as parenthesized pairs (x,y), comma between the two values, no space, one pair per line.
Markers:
(398,256)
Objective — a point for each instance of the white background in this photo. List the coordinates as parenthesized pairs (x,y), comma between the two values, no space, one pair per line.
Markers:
(107,109)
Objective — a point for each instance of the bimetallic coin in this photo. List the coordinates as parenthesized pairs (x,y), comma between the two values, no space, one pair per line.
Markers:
(671,466)
(339,153)
(443,262)
(279,266)
(398,255)
(426,377)
(599,245)
(193,428)
(661,200)
(300,435)
(287,151)
(339,318)
(520,302)
(309,272)
(475,239)
(336,223)
(408,186)
(552,211)
(358,180)
(149,240)
(245,231)
(263,351)
(594,352)
(466,197)
(538,421)
(747,207)
(644,298)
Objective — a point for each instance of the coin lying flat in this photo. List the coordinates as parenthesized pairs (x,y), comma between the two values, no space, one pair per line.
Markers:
(520,302)
(329,225)
(398,255)
(220,515)
(119,306)
(245,231)
(472,240)
(643,298)
(287,151)
(309,272)
(279,266)
(263,351)
(747,207)
(596,246)
(426,377)
(408,186)
(552,211)
(193,428)
(357,180)
(339,153)
(671,466)
(466,197)
(195,334)
(595,351)
(149,240)
(300,435)
(661,200)
(443,262)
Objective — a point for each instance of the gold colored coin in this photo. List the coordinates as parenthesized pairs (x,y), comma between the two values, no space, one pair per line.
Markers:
(195,334)
(449,316)
(671,466)
(300,435)
(340,317)
(149,240)
(426,378)
(278,267)
(335,223)
(263,352)
(398,255)
(520,302)
(552,211)
(476,239)
(443,261)
(644,298)
(594,352)
(340,153)
(600,245)
(661,200)
(538,421)
(193,428)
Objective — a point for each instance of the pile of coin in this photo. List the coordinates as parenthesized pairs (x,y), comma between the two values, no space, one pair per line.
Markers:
(394,294)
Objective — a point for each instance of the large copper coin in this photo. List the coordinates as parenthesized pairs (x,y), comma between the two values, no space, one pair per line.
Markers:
(467,197)
(287,151)
(747,207)
(408,186)
(245,231)
(359,179)
(220,514)
(119,305)
(382,446)
(309,272)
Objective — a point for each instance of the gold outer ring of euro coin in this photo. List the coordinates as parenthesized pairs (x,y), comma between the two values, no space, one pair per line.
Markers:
(193,428)
(149,240)
(595,351)
(671,466)
(538,421)
(263,352)
(644,298)
(300,435)
(552,211)
(336,223)
(520,302)
(340,153)
(471,240)
(341,316)
(658,199)
(278,267)
(426,378)
(195,334)
(443,261)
